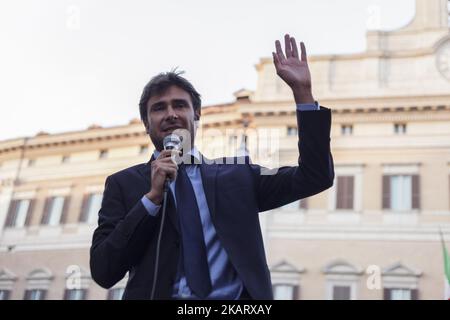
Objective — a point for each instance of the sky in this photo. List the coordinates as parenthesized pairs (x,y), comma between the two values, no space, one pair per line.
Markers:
(65,65)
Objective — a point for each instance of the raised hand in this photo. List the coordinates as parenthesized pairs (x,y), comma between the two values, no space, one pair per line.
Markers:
(294,69)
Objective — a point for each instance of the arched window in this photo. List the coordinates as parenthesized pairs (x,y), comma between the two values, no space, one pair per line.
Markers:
(38,283)
(342,280)
(77,283)
(400,282)
(286,281)
(7,279)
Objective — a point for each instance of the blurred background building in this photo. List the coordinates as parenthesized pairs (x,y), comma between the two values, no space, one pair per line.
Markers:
(373,235)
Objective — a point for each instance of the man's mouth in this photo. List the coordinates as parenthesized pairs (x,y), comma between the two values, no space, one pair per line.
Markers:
(171,128)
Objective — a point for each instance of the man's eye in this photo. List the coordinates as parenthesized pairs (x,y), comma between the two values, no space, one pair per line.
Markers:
(158,108)
(179,105)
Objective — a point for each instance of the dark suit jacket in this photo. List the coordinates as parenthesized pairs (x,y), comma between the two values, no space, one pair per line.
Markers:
(126,236)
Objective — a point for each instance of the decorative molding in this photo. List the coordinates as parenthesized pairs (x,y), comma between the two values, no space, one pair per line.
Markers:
(342,267)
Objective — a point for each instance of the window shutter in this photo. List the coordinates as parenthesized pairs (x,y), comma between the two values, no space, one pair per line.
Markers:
(386,192)
(44,294)
(65,210)
(303,203)
(7,294)
(296,295)
(30,212)
(84,208)
(345,192)
(47,208)
(414,294)
(27,295)
(84,294)
(341,182)
(110,294)
(66,294)
(349,192)
(415,191)
(387,294)
(11,213)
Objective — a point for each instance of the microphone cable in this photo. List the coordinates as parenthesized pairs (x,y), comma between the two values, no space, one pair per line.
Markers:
(158,243)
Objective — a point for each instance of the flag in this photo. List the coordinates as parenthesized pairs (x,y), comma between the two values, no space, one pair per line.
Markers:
(446,268)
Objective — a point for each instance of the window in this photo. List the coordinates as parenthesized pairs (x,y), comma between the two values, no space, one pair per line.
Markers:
(38,282)
(31,162)
(345,187)
(304,203)
(399,128)
(292,131)
(341,292)
(75,294)
(346,129)
(103,154)
(19,213)
(286,280)
(35,294)
(342,280)
(65,159)
(77,283)
(232,140)
(5,294)
(401,192)
(143,149)
(91,205)
(345,197)
(116,293)
(7,280)
(284,292)
(55,210)
(400,282)
(400,294)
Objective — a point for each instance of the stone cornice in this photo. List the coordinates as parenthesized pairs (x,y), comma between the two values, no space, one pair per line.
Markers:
(72,138)
(237,113)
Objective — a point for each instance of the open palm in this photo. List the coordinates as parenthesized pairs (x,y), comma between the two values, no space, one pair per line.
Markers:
(290,67)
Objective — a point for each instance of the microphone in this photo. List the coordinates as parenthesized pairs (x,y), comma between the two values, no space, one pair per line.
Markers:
(171,142)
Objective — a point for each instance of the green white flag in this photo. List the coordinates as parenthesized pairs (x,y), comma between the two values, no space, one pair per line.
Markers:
(446,268)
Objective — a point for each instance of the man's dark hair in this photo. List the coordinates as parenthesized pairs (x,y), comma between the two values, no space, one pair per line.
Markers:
(160,83)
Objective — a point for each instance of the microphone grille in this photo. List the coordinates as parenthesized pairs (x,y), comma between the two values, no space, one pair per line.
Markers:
(172,141)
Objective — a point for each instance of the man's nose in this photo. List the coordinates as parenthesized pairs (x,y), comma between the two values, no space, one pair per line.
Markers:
(171,113)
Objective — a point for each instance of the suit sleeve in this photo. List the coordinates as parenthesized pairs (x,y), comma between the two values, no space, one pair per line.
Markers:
(315,170)
(121,236)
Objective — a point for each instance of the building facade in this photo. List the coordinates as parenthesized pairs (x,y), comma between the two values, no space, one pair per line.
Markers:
(373,235)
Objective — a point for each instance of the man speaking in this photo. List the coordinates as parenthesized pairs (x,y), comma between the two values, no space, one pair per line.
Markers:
(191,230)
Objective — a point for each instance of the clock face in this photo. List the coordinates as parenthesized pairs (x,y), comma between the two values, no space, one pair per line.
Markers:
(443,60)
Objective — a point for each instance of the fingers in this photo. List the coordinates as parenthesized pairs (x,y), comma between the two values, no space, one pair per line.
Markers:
(173,155)
(168,153)
(303,52)
(165,168)
(171,173)
(280,54)
(287,46)
(276,62)
(290,48)
(294,47)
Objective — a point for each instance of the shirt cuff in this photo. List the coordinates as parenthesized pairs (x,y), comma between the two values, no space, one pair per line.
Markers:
(151,208)
(308,106)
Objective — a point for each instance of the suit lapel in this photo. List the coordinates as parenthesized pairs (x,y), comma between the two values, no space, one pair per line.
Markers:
(145,171)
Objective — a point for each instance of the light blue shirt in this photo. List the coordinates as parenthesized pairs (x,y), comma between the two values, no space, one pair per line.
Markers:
(224,279)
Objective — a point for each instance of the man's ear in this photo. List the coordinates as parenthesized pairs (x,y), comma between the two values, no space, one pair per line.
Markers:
(197,114)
